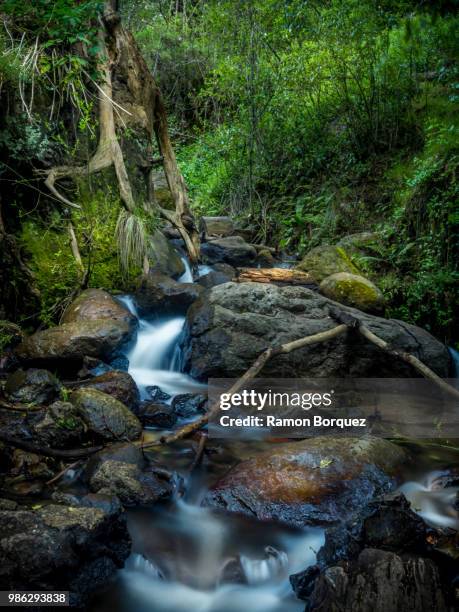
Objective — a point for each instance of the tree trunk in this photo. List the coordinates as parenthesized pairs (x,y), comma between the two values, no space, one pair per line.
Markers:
(129,98)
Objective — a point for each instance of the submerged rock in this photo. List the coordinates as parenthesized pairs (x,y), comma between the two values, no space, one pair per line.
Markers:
(232,250)
(73,341)
(32,386)
(324,260)
(353,290)
(119,385)
(105,416)
(231,324)
(96,304)
(160,294)
(55,547)
(311,482)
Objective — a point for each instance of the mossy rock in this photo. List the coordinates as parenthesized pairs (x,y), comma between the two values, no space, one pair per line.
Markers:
(325,260)
(353,290)
(105,416)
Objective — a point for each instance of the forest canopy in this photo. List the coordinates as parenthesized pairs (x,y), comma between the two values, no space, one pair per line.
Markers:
(307,122)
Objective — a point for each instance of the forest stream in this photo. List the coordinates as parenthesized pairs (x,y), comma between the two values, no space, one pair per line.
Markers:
(181,552)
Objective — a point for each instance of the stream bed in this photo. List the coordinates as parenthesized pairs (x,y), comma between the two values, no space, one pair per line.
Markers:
(185,557)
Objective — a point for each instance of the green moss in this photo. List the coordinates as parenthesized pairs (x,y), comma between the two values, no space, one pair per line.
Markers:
(353,290)
(46,242)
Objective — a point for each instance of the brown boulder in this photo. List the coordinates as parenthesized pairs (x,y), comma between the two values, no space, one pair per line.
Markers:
(315,481)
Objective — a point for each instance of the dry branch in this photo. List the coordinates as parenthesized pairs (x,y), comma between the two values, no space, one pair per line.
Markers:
(250,374)
(77,453)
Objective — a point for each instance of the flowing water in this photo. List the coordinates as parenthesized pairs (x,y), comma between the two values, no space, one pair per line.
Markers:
(182,552)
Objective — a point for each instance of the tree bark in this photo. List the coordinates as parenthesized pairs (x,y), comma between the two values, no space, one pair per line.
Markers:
(141,106)
(273,275)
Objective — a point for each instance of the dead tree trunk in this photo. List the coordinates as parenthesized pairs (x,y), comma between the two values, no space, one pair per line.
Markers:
(129,98)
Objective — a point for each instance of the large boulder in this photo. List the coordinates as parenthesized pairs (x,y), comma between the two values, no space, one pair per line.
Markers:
(105,416)
(164,257)
(353,290)
(160,294)
(379,581)
(71,342)
(54,547)
(97,304)
(312,482)
(119,385)
(232,250)
(32,386)
(231,324)
(324,260)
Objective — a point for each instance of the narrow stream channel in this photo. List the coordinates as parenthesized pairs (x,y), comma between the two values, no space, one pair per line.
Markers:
(183,552)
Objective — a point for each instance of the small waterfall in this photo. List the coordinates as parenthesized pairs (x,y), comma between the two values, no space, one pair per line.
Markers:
(261,570)
(434,503)
(155,358)
(188,547)
(187,276)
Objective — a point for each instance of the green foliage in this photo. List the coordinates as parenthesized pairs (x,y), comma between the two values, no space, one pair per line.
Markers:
(47,244)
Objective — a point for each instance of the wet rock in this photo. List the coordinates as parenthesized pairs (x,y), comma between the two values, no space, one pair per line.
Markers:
(232,572)
(311,482)
(121,452)
(132,486)
(158,395)
(59,426)
(160,294)
(119,385)
(157,415)
(231,324)
(57,548)
(221,273)
(379,581)
(97,304)
(186,405)
(163,257)
(109,504)
(71,342)
(353,290)
(232,250)
(324,260)
(392,525)
(105,416)
(32,386)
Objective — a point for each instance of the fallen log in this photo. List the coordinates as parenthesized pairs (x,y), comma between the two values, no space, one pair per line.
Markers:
(274,275)
(77,453)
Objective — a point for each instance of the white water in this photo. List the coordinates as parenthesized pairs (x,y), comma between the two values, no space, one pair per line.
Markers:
(153,358)
(431,501)
(199,544)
